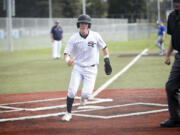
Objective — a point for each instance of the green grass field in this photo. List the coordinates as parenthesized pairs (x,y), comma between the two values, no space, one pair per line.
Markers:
(36,71)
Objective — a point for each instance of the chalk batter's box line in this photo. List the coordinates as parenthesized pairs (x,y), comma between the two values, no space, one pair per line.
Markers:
(126,114)
(92,101)
(76,112)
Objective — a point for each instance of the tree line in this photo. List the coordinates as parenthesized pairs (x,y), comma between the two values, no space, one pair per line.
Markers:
(73,8)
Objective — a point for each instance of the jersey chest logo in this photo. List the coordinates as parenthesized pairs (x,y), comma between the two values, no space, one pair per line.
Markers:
(91,43)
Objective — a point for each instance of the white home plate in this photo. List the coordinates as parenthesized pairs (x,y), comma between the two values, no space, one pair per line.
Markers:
(90,107)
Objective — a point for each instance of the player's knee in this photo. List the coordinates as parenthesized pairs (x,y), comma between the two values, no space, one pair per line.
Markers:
(170,88)
(71,94)
(85,95)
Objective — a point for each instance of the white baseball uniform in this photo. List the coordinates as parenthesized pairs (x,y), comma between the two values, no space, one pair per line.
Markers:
(56,48)
(85,53)
(56,32)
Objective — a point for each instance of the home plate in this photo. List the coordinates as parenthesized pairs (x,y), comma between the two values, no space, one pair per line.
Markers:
(90,107)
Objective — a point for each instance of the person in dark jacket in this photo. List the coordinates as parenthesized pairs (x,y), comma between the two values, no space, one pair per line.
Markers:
(173,83)
(56,38)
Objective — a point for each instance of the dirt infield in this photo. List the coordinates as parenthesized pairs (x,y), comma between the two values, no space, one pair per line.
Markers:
(112,112)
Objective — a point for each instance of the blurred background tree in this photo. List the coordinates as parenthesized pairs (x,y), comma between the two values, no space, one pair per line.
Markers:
(97,8)
(66,8)
(131,9)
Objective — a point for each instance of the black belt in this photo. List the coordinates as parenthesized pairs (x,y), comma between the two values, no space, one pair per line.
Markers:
(89,66)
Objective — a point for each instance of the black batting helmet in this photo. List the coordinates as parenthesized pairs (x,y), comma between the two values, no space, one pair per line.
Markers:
(84,19)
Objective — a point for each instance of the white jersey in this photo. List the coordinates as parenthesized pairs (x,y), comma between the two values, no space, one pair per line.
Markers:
(85,51)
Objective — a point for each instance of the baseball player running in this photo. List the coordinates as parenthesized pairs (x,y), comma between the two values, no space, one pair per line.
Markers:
(84,46)
(161,37)
(56,38)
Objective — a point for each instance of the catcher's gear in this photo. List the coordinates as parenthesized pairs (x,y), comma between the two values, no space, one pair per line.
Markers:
(84,19)
(107,66)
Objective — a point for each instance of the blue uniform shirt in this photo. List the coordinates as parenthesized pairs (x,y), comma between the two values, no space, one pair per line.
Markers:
(161,30)
(57,33)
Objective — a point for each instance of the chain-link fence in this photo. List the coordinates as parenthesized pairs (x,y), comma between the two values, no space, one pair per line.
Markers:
(33,33)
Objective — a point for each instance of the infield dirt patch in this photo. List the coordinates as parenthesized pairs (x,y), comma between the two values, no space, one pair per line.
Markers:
(127,114)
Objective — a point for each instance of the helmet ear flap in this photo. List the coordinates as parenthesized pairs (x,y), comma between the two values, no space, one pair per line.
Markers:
(78,25)
(89,25)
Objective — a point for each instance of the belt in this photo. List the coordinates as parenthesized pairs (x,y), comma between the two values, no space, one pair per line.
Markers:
(88,66)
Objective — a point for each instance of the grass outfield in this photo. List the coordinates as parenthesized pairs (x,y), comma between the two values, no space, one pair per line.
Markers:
(36,71)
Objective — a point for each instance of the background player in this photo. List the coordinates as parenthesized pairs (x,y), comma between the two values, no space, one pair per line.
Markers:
(84,46)
(161,36)
(56,38)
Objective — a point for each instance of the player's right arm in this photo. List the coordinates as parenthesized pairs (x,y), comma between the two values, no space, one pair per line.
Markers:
(68,59)
(68,51)
(51,35)
(169,52)
(52,38)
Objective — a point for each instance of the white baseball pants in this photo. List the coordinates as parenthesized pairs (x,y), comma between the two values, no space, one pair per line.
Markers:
(87,75)
(56,49)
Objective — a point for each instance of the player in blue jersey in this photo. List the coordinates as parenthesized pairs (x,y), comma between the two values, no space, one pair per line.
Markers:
(56,38)
(161,37)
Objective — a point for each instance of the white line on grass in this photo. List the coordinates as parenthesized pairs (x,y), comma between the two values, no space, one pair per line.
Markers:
(118,74)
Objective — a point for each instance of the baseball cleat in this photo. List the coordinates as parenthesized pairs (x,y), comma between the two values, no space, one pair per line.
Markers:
(170,123)
(161,53)
(67,117)
(83,101)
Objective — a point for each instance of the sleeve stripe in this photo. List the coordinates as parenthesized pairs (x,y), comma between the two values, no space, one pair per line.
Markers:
(105,47)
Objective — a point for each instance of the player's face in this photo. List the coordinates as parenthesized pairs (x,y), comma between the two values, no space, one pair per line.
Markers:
(57,24)
(83,27)
(177,6)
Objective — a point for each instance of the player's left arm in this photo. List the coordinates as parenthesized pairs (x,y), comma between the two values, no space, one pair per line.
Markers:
(107,65)
(102,44)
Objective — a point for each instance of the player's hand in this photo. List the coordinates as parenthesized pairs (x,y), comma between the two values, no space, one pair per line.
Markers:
(107,66)
(68,60)
(70,63)
(167,61)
